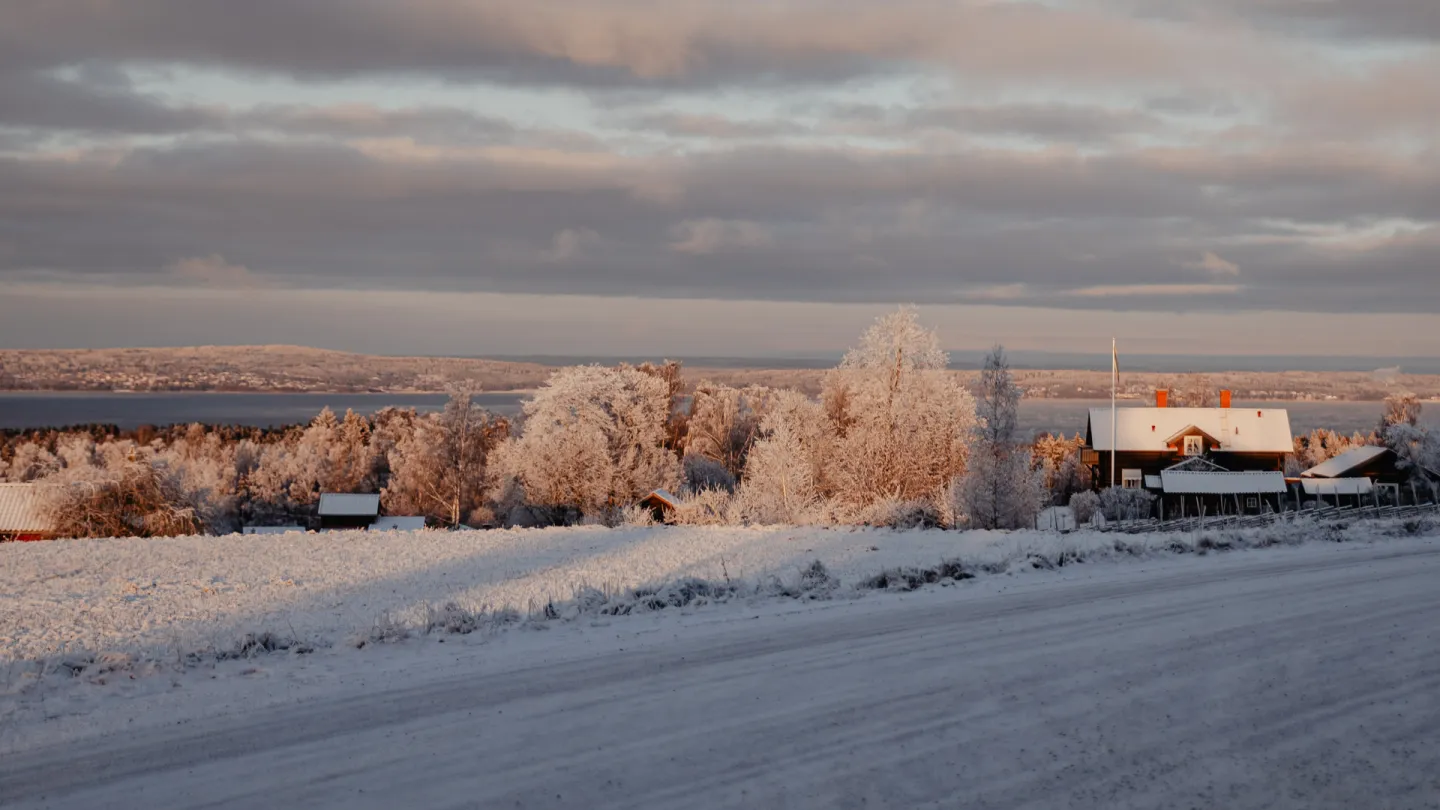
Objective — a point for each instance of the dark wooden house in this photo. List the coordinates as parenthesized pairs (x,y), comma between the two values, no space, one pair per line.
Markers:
(1193,458)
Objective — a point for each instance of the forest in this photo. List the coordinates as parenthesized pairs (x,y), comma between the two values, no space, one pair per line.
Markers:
(891,439)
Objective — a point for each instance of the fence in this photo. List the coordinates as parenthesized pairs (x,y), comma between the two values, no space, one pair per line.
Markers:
(1328,513)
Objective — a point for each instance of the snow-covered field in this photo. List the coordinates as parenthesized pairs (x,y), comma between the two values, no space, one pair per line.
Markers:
(168,597)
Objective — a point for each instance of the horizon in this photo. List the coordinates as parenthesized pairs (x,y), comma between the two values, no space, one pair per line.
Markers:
(960,359)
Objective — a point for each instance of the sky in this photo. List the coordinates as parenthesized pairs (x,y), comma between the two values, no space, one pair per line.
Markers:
(719,177)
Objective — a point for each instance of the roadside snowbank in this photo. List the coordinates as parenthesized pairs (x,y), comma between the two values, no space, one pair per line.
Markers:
(168,598)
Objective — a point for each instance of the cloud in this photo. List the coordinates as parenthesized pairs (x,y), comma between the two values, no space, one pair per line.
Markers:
(213,271)
(609,42)
(1155,290)
(571,244)
(703,236)
(1214,265)
(1090,155)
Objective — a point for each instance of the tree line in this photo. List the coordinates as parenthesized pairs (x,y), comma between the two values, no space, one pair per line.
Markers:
(891,440)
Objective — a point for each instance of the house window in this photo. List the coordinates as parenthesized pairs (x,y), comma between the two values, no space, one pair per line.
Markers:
(1252,502)
(1194,445)
(1131,479)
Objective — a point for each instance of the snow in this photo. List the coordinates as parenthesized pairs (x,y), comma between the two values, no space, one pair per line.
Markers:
(1285,678)
(1239,430)
(1188,482)
(170,595)
(1345,462)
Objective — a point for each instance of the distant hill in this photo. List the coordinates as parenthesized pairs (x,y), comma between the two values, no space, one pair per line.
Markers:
(302,369)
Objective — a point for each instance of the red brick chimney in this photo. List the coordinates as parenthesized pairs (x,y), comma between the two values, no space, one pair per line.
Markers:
(1162,398)
(1225,398)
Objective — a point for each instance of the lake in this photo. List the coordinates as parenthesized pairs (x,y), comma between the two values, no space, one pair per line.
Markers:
(31,409)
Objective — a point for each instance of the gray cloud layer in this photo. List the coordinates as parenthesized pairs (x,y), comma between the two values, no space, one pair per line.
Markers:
(1108,154)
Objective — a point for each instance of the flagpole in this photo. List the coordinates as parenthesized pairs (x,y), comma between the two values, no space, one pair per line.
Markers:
(1114,383)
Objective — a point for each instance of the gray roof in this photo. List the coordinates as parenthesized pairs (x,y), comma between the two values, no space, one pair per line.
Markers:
(349,504)
(1185,482)
(22,509)
(1345,462)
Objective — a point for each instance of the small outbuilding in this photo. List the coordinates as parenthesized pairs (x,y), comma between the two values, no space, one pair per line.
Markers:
(1371,472)
(271,529)
(23,515)
(661,505)
(344,510)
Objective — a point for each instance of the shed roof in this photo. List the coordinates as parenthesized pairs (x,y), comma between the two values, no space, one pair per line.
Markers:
(662,496)
(1237,430)
(1338,466)
(1338,486)
(22,509)
(272,529)
(349,504)
(1186,482)
(398,524)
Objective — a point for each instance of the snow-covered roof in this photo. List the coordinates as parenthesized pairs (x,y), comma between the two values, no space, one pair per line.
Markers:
(1186,482)
(397,524)
(349,504)
(1238,430)
(662,496)
(22,509)
(1338,486)
(272,529)
(1338,466)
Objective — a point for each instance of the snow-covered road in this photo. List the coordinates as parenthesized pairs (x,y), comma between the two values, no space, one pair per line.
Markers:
(1301,678)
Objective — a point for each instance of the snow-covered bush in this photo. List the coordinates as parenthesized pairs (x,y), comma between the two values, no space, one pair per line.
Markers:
(1118,503)
(895,514)
(1084,505)
(703,473)
(706,507)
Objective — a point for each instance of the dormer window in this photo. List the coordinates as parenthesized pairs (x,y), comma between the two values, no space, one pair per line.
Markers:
(1194,445)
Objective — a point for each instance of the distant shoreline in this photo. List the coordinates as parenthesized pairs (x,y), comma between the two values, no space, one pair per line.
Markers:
(269,392)
(1124,400)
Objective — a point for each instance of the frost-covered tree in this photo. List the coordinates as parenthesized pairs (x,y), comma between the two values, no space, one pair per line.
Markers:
(1401,409)
(724,422)
(32,462)
(1060,460)
(781,473)
(593,442)
(676,419)
(899,425)
(1417,450)
(1002,489)
(438,468)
